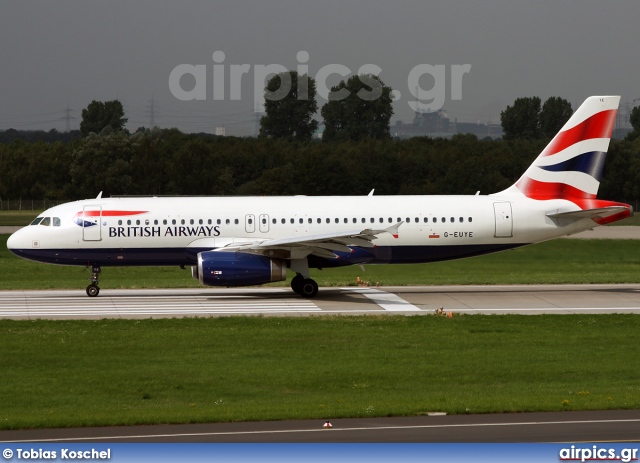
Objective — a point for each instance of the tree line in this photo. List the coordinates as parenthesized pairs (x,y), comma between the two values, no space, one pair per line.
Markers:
(357,156)
(169,162)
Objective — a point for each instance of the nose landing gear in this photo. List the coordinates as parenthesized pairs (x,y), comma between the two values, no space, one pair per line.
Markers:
(93,290)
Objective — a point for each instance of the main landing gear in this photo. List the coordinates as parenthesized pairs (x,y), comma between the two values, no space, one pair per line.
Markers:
(93,290)
(306,287)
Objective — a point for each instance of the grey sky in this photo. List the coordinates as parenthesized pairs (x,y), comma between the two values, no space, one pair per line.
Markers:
(54,54)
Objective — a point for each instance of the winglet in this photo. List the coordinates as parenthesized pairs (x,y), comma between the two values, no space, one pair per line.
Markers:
(394,229)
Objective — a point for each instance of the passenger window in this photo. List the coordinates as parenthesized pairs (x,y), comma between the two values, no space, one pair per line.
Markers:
(274,221)
(200,222)
(426,219)
(119,222)
(164,222)
(137,222)
(46,221)
(452,220)
(355,220)
(372,220)
(381,220)
(364,220)
(227,221)
(293,221)
(328,220)
(470,219)
(319,220)
(337,220)
(36,221)
(461,220)
(219,222)
(283,221)
(173,222)
(155,222)
(56,221)
(390,220)
(301,220)
(444,219)
(399,220)
(346,220)
(128,222)
(417,219)
(310,220)
(146,222)
(435,219)
(236,221)
(408,220)
(249,221)
(209,222)
(182,222)
(264,221)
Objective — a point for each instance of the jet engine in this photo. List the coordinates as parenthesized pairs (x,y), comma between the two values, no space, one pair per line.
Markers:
(237,269)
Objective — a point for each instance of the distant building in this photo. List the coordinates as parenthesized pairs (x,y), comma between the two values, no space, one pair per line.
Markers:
(437,124)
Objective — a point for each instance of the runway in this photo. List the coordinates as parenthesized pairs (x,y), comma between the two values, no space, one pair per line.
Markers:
(587,426)
(584,426)
(409,300)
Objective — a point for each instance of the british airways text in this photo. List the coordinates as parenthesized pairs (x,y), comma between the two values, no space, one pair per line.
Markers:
(149,232)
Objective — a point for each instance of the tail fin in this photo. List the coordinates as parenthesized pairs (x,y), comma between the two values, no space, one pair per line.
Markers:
(570,167)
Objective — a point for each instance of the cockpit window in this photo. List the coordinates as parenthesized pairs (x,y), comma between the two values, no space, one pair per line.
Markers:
(56,221)
(46,221)
(36,221)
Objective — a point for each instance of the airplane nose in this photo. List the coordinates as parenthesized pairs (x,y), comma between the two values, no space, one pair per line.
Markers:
(11,242)
(14,242)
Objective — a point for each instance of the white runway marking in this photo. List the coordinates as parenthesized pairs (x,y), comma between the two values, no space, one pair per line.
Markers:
(388,301)
(51,305)
(333,430)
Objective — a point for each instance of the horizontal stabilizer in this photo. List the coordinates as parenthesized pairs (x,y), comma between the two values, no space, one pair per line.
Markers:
(601,212)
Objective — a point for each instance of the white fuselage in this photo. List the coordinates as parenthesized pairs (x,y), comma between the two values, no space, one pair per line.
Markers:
(162,230)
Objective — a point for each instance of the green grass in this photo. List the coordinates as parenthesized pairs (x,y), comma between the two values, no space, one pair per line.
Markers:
(558,261)
(630,221)
(17,218)
(124,372)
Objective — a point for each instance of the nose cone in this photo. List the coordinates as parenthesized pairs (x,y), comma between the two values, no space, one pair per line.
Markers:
(15,242)
(11,242)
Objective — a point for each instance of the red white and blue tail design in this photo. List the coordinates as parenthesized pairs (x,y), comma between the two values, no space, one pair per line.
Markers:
(570,167)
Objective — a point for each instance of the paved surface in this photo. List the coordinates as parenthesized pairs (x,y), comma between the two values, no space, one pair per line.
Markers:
(590,426)
(409,300)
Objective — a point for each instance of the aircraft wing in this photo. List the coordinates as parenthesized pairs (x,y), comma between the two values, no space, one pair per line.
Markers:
(323,245)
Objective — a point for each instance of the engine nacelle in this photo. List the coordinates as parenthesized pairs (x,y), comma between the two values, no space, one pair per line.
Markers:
(237,269)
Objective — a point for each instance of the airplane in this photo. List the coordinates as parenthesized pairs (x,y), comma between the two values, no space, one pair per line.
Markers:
(244,241)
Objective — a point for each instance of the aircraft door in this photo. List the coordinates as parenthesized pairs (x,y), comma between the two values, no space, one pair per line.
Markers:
(250,223)
(91,223)
(264,223)
(504,220)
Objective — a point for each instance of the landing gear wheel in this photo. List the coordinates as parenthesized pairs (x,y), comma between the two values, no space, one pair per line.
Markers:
(309,288)
(93,290)
(296,283)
